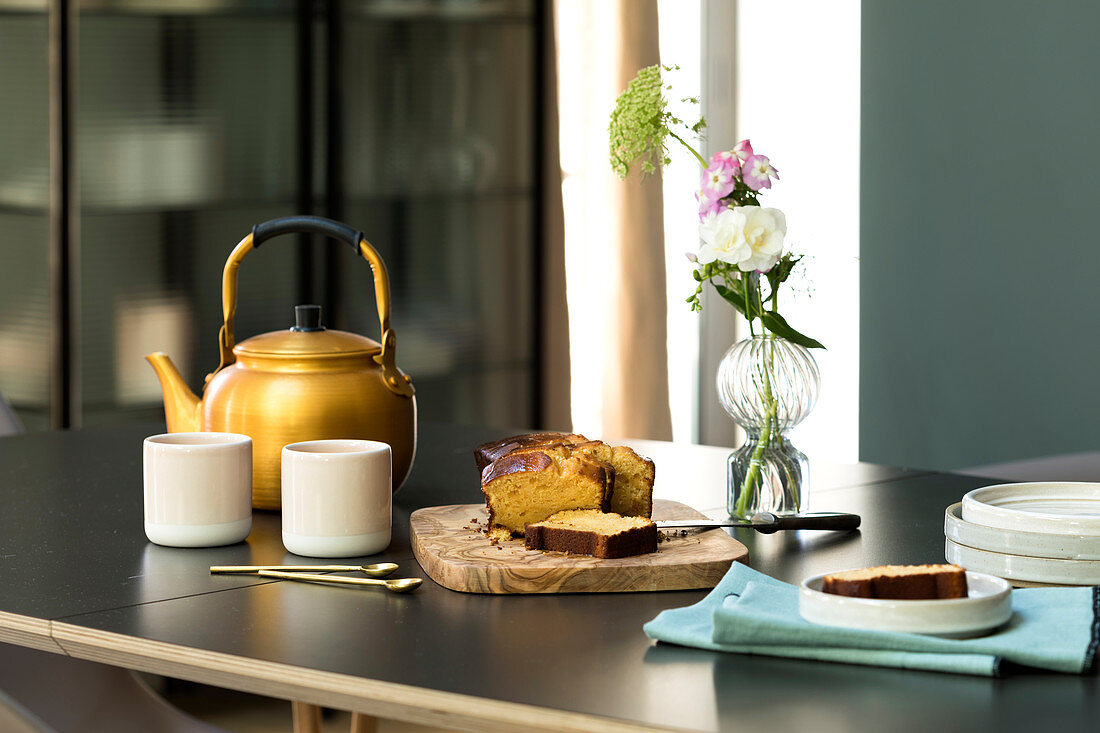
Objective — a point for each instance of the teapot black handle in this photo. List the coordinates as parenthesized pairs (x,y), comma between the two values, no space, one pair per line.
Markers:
(392,376)
(306,224)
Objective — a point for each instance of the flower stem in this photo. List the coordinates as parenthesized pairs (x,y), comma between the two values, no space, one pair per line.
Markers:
(694,152)
(752,484)
(746,289)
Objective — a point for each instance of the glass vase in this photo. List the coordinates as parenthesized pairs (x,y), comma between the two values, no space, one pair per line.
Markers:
(767,385)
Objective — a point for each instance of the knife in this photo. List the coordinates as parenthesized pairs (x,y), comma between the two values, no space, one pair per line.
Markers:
(766,522)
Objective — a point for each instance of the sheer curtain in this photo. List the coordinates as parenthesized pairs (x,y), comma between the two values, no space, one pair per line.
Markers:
(613,229)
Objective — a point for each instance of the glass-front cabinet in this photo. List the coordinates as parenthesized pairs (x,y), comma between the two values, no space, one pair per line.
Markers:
(25,302)
(415,122)
(439,131)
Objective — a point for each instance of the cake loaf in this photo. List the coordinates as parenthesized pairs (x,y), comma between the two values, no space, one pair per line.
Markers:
(529,485)
(899,582)
(631,476)
(590,532)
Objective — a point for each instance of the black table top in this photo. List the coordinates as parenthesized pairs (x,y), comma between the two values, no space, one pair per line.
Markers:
(72,549)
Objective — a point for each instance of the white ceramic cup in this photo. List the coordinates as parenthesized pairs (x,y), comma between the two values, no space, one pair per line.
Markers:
(198,488)
(337,497)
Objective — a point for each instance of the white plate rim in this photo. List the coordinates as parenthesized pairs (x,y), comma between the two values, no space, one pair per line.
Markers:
(977,509)
(946,617)
(1018,541)
(1023,567)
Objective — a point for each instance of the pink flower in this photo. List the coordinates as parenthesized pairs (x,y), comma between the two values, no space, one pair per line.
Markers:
(758,172)
(728,159)
(743,150)
(717,181)
(708,206)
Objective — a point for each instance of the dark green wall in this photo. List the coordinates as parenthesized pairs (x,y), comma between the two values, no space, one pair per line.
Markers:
(980,247)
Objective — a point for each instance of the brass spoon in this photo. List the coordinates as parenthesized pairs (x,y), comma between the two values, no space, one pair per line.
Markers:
(397,585)
(377,570)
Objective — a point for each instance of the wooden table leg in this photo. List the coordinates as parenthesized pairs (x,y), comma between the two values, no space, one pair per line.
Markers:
(307,718)
(362,723)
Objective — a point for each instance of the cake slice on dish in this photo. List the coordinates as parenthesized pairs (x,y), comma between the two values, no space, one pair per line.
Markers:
(899,582)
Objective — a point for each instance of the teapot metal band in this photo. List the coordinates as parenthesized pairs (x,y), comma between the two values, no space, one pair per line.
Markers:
(394,380)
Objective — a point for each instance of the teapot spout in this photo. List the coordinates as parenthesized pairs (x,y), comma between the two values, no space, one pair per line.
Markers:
(181,406)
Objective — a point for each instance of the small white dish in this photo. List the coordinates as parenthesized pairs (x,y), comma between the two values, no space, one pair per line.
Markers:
(1051,571)
(988,605)
(1018,542)
(1050,507)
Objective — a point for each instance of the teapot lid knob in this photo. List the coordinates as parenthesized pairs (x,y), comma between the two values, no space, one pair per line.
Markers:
(307,318)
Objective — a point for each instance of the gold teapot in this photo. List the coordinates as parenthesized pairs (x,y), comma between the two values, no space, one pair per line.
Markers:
(306,383)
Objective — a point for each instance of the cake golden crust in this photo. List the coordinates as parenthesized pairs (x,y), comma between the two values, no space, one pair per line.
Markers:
(488,452)
(599,534)
(524,461)
(899,582)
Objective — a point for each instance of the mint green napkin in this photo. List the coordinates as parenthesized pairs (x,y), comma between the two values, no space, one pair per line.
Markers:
(749,613)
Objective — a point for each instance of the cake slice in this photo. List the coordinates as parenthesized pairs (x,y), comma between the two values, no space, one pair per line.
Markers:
(590,532)
(529,485)
(632,489)
(899,582)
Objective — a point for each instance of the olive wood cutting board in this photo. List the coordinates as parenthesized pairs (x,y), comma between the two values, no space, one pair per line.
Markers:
(454,553)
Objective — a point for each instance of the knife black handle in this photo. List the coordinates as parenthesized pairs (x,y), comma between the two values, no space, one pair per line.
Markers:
(767,523)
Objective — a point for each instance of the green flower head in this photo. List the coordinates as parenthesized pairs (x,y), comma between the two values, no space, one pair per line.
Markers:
(637,128)
(641,124)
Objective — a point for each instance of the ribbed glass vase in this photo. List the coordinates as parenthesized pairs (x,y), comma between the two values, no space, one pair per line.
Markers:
(767,385)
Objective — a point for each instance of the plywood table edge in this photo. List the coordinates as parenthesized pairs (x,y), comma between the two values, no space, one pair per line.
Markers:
(27,631)
(330,689)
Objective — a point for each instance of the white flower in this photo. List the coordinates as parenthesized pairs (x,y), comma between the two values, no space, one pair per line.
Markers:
(722,236)
(750,237)
(764,232)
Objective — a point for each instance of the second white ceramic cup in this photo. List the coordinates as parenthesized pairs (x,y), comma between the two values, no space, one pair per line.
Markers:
(336,497)
(198,488)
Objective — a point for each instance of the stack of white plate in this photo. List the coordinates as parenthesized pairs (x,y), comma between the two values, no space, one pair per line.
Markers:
(1031,532)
